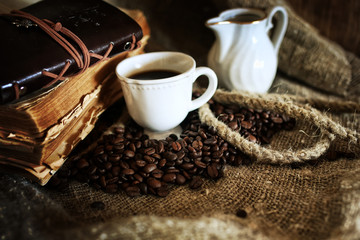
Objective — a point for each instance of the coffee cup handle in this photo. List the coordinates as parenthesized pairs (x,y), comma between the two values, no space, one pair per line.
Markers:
(198,102)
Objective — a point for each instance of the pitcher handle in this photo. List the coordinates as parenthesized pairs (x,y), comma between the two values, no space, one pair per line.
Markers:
(280,28)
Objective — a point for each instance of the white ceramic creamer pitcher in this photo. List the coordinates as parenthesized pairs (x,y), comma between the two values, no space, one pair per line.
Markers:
(243,56)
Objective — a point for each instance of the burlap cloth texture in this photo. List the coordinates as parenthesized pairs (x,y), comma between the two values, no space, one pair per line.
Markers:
(304,185)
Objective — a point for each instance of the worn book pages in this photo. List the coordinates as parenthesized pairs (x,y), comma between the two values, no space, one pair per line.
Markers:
(44,129)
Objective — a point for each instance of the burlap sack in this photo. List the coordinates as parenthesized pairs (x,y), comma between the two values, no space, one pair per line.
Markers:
(317,199)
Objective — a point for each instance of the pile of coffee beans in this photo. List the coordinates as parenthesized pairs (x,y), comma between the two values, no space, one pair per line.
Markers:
(256,125)
(127,160)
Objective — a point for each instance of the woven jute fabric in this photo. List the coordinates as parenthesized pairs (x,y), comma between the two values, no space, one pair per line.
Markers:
(285,195)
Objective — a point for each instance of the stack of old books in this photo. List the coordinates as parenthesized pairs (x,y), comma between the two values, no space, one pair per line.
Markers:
(40,129)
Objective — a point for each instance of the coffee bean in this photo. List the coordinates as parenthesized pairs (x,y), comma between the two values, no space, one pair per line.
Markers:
(176,146)
(102,181)
(200,164)
(170,164)
(138,177)
(160,148)
(218,109)
(149,168)
(169,177)
(206,153)
(156,156)
(140,163)
(138,135)
(149,159)
(191,149)
(124,185)
(206,148)
(99,150)
(172,170)
(154,183)
(82,163)
(212,171)
(133,191)
(128,135)
(241,213)
(217,154)
(193,171)
(187,166)
(162,191)
(108,165)
(132,147)
(128,171)
(252,138)
(180,155)
(215,148)
(129,153)
(186,139)
(197,145)
(143,188)
(231,118)
(196,182)
(109,148)
(162,163)
(192,133)
(277,120)
(180,179)
(210,141)
(170,156)
(195,155)
(149,151)
(118,147)
(132,165)
(97,205)
(111,188)
(206,159)
(202,134)
(112,180)
(94,177)
(173,136)
(212,130)
(246,124)
(92,170)
(115,158)
(233,125)
(157,173)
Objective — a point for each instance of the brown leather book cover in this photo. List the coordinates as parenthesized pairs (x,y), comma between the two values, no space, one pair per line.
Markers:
(70,111)
(34,58)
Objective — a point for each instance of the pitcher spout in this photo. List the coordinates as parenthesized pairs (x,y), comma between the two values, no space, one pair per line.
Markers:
(223,34)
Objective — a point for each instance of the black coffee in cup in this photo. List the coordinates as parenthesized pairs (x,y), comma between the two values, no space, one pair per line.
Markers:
(154,74)
(246,17)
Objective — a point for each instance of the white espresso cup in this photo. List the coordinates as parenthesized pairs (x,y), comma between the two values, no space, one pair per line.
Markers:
(161,98)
